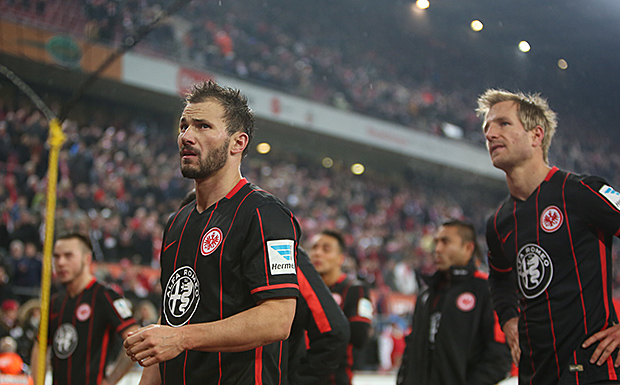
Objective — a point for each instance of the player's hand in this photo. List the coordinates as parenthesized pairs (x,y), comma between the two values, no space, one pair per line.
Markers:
(609,341)
(153,344)
(511,330)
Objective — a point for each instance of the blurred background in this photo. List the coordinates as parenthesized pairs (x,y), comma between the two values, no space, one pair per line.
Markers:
(366,124)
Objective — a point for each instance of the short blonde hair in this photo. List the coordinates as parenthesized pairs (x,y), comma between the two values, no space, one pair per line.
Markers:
(532,110)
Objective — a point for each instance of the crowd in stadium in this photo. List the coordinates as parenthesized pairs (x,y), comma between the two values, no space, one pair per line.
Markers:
(119,177)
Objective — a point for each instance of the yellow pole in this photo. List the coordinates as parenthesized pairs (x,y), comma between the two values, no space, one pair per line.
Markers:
(56,139)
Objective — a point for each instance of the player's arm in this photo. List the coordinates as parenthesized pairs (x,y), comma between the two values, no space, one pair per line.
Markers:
(503,290)
(122,364)
(270,321)
(600,204)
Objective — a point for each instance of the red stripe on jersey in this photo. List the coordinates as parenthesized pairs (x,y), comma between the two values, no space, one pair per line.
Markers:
(576,363)
(104,351)
(124,325)
(555,347)
(318,313)
(237,187)
(611,369)
(498,269)
(537,218)
(179,245)
(498,333)
(174,219)
(280,365)
(357,318)
(572,248)
(617,233)
(550,173)
(262,234)
(349,371)
(90,335)
(219,358)
(603,198)
(275,287)
(258,366)
(295,235)
(185,368)
(481,274)
(603,257)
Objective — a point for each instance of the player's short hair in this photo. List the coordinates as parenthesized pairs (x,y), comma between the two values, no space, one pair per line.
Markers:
(467,232)
(82,238)
(532,110)
(338,236)
(237,113)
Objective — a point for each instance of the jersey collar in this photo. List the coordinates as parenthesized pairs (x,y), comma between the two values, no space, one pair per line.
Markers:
(551,173)
(240,184)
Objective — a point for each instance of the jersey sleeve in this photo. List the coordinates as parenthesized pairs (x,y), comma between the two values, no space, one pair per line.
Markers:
(325,326)
(599,203)
(359,311)
(501,276)
(116,309)
(269,257)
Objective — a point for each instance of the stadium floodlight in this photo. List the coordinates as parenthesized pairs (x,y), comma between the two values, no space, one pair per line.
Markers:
(524,46)
(263,148)
(422,4)
(563,64)
(476,25)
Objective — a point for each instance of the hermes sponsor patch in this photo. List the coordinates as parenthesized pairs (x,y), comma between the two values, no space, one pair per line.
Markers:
(611,195)
(281,256)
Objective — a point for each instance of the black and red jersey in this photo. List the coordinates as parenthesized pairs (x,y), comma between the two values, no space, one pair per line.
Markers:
(353,298)
(320,332)
(221,262)
(80,329)
(552,252)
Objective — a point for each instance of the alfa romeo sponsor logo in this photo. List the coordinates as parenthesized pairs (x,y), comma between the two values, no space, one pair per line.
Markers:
(181,296)
(551,219)
(210,241)
(65,341)
(466,301)
(535,270)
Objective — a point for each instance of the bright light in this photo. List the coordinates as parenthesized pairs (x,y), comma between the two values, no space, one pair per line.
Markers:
(562,64)
(524,46)
(327,162)
(477,25)
(357,169)
(263,148)
(422,4)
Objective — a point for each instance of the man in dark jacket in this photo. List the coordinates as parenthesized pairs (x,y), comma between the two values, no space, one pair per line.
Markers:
(456,339)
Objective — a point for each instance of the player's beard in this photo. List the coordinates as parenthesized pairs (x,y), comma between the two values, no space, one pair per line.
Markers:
(207,166)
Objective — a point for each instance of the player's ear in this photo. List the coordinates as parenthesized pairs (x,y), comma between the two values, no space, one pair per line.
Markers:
(538,134)
(239,141)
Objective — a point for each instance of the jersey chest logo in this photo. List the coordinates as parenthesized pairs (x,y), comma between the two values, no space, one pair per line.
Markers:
(82,313)
(551,219)
(211,241)
(466,302)
(535,270)
(65,341)
(181,296)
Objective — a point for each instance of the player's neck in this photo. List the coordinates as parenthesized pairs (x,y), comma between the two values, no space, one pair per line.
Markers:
(523,181)
(330,278)
(212,189)
(78,285)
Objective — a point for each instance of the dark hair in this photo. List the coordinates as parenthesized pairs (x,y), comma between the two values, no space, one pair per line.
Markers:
(338,236)
(237,113)
(84,239)
(467,232)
